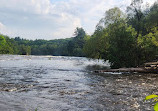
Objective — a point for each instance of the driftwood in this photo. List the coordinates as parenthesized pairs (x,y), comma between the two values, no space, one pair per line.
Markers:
(151,67)
(128,70)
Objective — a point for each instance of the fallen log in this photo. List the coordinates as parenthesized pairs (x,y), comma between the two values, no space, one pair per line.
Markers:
(128,70)
(150,67)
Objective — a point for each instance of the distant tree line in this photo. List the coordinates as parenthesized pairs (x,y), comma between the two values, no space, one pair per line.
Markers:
(126,39)
(60,47)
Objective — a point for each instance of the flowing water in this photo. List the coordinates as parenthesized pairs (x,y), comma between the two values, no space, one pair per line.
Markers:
(68,84)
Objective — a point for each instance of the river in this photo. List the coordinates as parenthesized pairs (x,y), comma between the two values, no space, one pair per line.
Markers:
(51,83)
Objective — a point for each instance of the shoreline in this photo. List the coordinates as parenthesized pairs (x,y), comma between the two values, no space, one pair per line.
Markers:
(129,70)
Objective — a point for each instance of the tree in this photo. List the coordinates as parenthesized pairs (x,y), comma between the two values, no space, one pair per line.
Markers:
(75,45)
(24,50)
(136,16)
(151,18)
(96,45)
(122,45)
(111,16)
(2,45)
(115,41)
(79,33)
(149,45)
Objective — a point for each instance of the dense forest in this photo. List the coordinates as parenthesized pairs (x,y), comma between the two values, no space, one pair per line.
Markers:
(61,47)
(126,39)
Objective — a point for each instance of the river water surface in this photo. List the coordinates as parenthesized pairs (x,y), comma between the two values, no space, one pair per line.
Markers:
(68,84)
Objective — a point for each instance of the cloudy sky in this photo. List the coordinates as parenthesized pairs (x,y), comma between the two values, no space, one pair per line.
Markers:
(52,19)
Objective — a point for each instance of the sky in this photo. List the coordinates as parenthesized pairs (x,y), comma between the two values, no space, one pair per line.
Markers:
(53,19)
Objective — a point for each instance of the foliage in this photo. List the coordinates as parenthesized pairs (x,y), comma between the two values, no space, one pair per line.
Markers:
(149,45)
(6,46)
(151,18)
(155,97)
(75,45)
(96,45)
(126,42)
(111,16)
(136,16)
(60,47)
(121,50)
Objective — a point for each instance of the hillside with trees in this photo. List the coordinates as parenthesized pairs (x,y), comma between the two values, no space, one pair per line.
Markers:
(60,47)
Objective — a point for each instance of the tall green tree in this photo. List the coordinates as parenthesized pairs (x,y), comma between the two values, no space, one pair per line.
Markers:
(111,16)
(151,18)
(122,45)
(136,16)
(2,45)
(149,45)
(115,41)
(75,45)
(96,45)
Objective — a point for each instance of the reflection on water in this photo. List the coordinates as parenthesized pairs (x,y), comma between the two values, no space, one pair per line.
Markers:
(68,84)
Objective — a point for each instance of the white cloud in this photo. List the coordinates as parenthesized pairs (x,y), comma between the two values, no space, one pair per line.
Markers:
(1,26)
(51,19)
(38,18)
